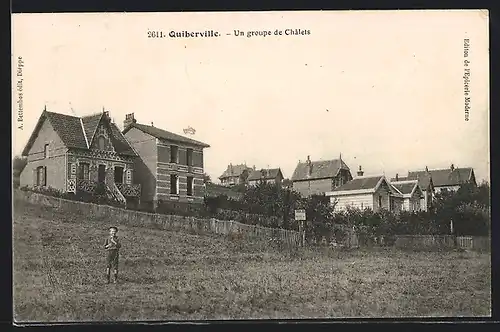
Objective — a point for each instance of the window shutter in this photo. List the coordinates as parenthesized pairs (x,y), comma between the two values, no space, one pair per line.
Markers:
(73,171)
(45,175)
(128,176)
(35,177)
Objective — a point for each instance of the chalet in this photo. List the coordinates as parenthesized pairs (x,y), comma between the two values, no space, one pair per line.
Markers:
(424,180)
(319,177)
(365,192)
(79,154)
(448,179)
(269,175)
(169,167)
(235,175)
(436,180)
(410,197)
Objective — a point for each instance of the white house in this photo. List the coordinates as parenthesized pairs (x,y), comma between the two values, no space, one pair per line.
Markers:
(411,195)
(366,192)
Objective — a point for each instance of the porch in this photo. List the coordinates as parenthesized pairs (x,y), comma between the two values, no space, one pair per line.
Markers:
(89,186)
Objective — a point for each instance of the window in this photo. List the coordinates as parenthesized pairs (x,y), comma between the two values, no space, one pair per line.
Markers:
(41,176)
(83,171)
(189,157)
(118,174)
(102,143)
(173,184)
(174,154)
(190,186)
(380,201)
(46,151)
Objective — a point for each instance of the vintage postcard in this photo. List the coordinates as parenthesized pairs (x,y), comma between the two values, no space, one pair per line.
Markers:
(250,165)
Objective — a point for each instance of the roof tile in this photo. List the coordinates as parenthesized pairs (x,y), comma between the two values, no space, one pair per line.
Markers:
(319,169)
(265,174)
(165,135)
(360,183)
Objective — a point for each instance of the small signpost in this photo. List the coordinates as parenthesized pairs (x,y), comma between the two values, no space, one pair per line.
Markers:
(300,216)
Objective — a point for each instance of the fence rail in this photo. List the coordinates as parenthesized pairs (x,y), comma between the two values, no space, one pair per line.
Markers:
(287,238)
(479,243)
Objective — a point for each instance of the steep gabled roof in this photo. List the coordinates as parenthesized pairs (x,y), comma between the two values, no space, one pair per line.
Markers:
(73,135)
(406,188)
(165,135)
(424,178)
(319,169)
(90,124)
(67,127)
(362,185)
(235,170)
(447,177)
(119,141)
(442,177)
(264,174)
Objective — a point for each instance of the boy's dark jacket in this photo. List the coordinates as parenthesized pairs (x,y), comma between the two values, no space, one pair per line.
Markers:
(112,245)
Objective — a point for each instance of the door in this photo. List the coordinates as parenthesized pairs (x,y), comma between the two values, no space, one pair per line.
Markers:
(118,174)
(101,173)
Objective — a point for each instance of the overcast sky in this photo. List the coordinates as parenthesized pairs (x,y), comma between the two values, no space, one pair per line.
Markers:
(383,89)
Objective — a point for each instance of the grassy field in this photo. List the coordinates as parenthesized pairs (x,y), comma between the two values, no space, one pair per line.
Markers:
(59,276)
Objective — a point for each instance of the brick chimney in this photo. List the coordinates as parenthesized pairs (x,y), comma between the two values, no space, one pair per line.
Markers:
(129,119)
(360,171)
(309,166)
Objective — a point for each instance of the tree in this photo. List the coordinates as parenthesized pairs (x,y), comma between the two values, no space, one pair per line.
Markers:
(468,208)
(206,178)
(272,200)
(319,214)
(18,164)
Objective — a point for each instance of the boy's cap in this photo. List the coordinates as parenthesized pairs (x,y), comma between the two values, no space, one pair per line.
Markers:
(113,227)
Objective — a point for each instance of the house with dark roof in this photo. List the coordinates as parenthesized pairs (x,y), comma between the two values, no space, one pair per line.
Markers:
(410,197)
(235,175)
(366,192)
(266,175)
(436,180)
(78,154)
(319,177)
(449,178)
(425,183)
(169,167)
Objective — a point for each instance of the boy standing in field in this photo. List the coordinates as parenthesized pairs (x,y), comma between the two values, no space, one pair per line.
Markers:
(112,246)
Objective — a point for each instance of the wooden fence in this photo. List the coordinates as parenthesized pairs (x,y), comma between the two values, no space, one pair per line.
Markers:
(348,237)
(286,238)
(477,243)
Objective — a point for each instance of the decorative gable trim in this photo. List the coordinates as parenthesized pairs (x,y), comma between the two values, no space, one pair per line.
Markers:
(95,131)
(84,133)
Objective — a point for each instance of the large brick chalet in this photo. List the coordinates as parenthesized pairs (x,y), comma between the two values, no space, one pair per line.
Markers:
(169,167)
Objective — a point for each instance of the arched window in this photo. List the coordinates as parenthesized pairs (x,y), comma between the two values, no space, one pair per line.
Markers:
(102,143)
